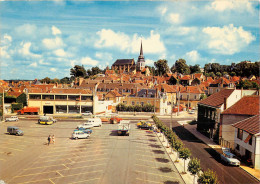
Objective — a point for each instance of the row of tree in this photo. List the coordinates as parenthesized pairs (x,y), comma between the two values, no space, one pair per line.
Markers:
(184,153)
(135,108)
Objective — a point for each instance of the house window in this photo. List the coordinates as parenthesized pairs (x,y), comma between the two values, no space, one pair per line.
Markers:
(195,97)
(142,103)
(239,134)
(250,140)
(181,97)
(137,103)
(124,102)
(133,103)
(238,147)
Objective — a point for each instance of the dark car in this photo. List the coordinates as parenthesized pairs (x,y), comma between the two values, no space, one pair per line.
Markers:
(14,130)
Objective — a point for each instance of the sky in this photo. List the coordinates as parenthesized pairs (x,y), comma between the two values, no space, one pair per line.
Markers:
(47,38)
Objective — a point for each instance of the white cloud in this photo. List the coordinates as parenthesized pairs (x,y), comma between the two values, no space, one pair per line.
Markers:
(25,50)
(33,64)
(88,61)
(7,39)
(6,43)
(72,63)
(162,10)
(149,62)
(174,18)
(110,39)
(26,30)
(227,40)
(220,5)
(60,53)
(193,56)
(53,43)
(43,63)
(104,56)
(53,69)
(55,30)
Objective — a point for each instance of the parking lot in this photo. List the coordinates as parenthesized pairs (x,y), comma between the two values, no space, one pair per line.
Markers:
(102,158)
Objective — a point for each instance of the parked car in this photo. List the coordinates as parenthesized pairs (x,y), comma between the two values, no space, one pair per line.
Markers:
(123,128)
(13,130)
(88,131)
(12,118)
(145,125)
(87,113)
(191,112)
(92,122)
(46,120)
(80,135)
(229,157)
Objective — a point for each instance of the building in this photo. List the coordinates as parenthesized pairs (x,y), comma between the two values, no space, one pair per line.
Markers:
(246,107)
(247,140)
(140,65)
(124,65)
(209,109)
(190,96)
(56,101)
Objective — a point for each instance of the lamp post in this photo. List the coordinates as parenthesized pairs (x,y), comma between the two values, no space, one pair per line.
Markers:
(3,100)
(171,113)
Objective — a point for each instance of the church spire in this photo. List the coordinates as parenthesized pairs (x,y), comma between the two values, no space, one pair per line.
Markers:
(141,50)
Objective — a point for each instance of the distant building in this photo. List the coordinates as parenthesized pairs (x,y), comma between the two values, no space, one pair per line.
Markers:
(128,65)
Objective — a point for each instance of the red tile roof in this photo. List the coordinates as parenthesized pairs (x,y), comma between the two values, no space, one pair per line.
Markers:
(250,125)
(198,75)
(248,105)
(217,99)
(192,89)
(186,77)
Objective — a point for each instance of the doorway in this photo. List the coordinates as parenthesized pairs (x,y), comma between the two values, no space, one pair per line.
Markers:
(48,109)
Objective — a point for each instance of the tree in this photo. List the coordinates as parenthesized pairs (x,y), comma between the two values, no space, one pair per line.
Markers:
(96,70)
(161,66)
(46,80)
(138,108)
(194,166)
(173,81)
(130,108)
(22,99)
(55,80)
(232,74)
(181,67)
(148,108)
(121,107)
(65,80)
(184,154)
(218,74)
(78,71)
(208,177)
(211,74)
(195,68)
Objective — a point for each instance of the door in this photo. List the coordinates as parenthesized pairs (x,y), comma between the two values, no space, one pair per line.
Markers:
(48,109)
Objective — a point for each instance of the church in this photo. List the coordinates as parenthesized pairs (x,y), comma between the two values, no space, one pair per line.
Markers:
(129,65)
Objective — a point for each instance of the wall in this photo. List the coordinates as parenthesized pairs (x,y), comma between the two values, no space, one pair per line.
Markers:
(227,130)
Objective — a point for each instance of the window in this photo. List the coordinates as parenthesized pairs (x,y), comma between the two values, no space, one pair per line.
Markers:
(142,103)
(87,98)
(240,134)
(60,97)
(47,97)
(34,97)
(133,103)
(195,97)
(73,97)
(250,140)
(238,147)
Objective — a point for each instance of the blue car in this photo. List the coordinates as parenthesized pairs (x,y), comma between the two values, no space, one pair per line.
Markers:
(88,131)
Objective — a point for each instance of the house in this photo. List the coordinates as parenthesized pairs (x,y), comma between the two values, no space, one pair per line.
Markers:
(149,96)
(186,80)
(113,96)
(219,84)
(209,109)
(246,107)
(247,139)
(169,90)
(190,96)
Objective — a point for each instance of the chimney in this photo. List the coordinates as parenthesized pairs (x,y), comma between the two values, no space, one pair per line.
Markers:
(146,92)
(225,103)
(156,93)
(136,94)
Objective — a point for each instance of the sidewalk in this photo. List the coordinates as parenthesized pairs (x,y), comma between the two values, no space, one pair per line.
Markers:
(192,128)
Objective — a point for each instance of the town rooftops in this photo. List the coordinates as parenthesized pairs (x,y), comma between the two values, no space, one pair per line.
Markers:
(250,125)
(192,89)
(62,91)
(248,105)
(217,99)
(123,61)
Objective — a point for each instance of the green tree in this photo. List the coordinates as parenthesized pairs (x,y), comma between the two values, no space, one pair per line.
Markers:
(184,154)
(138,108)
(78,71)
(195,69)
(22,99)
(232,74)
(161,66)
(96,70)
(55,80)
(130,108)
(181,67)
(218,74)
(208,177)
(211,74)
(203,96)
(46,80)
(121,107)
(148,108)
(65,80)
(194,166)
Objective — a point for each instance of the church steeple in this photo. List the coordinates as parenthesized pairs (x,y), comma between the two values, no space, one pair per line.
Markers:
(141,61)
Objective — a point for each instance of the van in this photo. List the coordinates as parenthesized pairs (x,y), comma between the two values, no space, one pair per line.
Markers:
(12,118)
(91,122)
(80,135)
(12,130)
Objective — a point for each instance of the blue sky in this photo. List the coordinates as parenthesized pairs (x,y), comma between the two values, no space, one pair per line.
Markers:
(47,38)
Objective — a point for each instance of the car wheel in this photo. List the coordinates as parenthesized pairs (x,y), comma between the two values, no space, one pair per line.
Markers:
(76,138)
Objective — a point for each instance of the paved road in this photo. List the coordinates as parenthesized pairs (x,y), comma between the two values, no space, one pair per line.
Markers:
(209,158)
(103,158)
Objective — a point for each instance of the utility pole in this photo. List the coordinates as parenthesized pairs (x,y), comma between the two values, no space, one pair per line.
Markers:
(178,103)
(188,100)
(3,105)
(171,113)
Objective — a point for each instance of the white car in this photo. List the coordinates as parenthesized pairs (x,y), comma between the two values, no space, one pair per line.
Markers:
(229,158)
(87,113)
(12,118)
(80,135)
(92,122)
(191,112)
